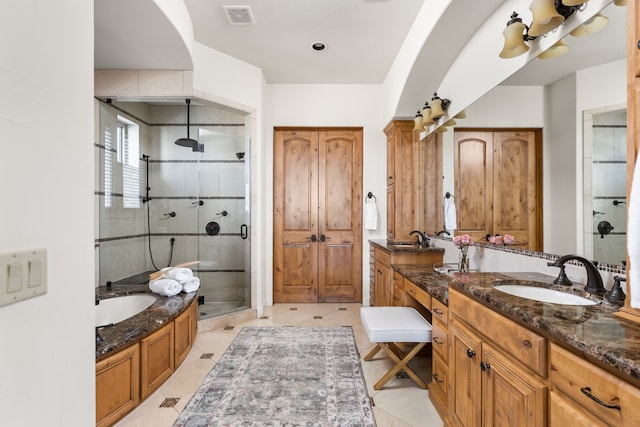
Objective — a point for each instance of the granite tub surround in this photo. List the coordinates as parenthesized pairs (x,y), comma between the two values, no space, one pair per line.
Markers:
(593,331)
(133,329)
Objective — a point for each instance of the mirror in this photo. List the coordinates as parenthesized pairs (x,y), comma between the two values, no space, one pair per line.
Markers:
(561,96)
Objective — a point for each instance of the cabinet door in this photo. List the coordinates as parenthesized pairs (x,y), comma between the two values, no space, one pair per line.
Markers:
(473,170)
(157,354)
(117,385)
(510,396)
(464,376)
(182,335)
(383,280)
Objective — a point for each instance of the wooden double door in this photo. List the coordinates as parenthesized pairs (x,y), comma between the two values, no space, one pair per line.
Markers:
(317,253)
(498,183)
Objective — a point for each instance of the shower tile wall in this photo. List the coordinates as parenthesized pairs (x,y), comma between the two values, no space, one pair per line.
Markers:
(609,184)
(180,178)
(121,243)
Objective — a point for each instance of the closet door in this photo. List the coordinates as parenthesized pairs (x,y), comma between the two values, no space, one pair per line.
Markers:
(317,215)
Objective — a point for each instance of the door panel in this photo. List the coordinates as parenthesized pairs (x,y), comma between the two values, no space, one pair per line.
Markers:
(474,182)
(295,256)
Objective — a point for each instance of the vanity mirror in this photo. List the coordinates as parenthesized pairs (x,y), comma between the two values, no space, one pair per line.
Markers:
(566,97)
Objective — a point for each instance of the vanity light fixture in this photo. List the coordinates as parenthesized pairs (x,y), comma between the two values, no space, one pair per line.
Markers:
(417,120)
(547,15)
(620,2)
(461,115)
(450,122)
(427,120)
(438,106)
(558,49)
(592,25)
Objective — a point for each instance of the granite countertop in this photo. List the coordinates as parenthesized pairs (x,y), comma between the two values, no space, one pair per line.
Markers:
(403,247)
(592,331)
(133,329)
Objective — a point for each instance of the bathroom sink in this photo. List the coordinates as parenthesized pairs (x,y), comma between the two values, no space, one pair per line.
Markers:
(544,295)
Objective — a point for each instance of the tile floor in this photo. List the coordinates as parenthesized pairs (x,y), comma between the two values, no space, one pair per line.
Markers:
(400,404)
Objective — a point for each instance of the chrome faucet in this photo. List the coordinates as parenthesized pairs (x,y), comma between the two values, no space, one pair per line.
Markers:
(422,239)
(594,280)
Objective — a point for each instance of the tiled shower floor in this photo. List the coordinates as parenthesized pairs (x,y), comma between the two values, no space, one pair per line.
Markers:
(400,404)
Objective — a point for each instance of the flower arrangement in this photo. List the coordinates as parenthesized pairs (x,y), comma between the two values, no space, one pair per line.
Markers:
(463,242)
(499,240)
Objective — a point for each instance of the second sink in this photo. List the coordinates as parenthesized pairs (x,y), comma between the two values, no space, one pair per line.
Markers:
(544,295)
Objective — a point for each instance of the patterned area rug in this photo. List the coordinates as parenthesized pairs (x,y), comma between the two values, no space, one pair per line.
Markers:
(284,376)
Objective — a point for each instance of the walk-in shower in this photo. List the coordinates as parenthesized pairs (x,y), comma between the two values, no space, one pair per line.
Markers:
(162,203)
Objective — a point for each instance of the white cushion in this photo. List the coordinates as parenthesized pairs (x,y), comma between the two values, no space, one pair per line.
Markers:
(395,324)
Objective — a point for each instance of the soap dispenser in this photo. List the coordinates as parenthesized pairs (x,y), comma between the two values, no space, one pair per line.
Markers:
(616,295)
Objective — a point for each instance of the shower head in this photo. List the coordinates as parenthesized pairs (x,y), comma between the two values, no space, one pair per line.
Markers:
(188,142)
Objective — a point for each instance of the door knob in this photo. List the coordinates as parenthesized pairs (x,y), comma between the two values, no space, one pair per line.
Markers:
(470,353)
(313,238)
(484,366)
(323,238)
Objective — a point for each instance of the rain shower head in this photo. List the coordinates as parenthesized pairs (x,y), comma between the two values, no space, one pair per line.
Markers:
(188,142)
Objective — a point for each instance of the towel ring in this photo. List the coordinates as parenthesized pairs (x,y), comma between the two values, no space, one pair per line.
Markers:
(371,196)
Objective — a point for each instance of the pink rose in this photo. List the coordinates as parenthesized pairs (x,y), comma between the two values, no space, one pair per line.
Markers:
(499,240)
(457,240)
(492,240)
(508,239)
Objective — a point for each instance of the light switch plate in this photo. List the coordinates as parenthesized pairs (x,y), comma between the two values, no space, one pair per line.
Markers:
(23,274)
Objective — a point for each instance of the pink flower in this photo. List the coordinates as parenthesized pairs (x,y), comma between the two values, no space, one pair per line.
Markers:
(464,240)
(492,239)
(508,239)
(499,240)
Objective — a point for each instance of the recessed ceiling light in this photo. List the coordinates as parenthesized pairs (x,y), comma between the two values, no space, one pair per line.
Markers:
(239,15)
(319,46)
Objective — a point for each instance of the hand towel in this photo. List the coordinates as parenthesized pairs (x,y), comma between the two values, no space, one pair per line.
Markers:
(450,219)
(633,236)
(370,215)
(191,285)
(179,274)
(166,287)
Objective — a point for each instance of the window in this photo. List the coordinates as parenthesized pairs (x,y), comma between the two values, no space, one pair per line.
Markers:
(128,152)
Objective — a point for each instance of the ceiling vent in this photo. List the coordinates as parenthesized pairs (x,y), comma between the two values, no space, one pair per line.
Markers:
(239,15)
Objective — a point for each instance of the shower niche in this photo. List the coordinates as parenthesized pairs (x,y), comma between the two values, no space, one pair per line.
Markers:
(157,196)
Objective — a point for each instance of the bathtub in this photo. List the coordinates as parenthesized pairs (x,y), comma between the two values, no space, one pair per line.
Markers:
(113,310)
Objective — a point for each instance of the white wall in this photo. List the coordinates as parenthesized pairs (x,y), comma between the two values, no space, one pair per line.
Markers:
(331,105)
(47,361)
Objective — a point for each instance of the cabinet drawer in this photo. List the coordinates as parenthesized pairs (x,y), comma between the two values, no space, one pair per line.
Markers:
(580,379)
(439,339)
(563,412)
(440,311)
(524,345)
(382,256)
(418,294)
(439,378)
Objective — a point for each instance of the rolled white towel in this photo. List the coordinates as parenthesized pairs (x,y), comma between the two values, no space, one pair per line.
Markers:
(179,274)
(191,285)
(166,287)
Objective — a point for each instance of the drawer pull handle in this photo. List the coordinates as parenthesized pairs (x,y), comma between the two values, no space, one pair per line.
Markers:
(412,292)
(587,392)
(436,340)
(484,366)
(470,353)
(438,312)
(435,377)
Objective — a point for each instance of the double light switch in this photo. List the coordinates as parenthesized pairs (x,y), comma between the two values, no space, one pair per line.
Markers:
(23,274)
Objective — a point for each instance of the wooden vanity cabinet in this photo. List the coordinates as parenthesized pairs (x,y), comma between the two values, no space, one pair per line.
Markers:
(382,290)
(185,330)
(117,385)
(496,377)
(439,387)
(594,392)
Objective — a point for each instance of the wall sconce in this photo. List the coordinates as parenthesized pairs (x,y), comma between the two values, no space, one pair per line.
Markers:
(558,49)
(417,120)
(427,120)
(593,25)
(438,106)
(547,15)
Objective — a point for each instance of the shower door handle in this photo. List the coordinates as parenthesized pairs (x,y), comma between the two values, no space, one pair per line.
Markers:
(243,231)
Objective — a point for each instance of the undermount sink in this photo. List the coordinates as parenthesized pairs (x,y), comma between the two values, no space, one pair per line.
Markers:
(544,295)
